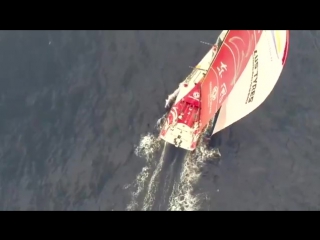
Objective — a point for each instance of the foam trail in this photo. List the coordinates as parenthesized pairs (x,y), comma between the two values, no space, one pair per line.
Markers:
(148,146)
(140,183)
(183,197)
(146,149)
(149,199)
(169,175)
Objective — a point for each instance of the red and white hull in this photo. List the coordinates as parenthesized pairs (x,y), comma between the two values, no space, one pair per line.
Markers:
(184,132)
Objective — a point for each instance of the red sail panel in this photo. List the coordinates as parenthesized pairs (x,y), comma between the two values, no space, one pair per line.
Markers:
(232,58)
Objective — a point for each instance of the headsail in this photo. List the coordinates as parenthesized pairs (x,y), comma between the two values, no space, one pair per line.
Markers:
(230,61)
(257,80)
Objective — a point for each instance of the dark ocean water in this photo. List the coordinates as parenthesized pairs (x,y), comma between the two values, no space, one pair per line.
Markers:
(74,104)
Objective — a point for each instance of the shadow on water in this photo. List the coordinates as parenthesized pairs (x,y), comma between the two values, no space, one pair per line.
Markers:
(169,175)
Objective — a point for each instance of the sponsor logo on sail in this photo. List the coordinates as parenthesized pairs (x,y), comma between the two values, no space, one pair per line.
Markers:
(223,92)
(212,96)
(254,78)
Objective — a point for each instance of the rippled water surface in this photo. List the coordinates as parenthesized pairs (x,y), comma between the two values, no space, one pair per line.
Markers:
(74,106)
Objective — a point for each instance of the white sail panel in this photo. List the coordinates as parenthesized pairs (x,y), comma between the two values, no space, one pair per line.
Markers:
(257,80)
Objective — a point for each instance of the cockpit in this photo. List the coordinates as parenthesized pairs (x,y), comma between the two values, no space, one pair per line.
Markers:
(189,109)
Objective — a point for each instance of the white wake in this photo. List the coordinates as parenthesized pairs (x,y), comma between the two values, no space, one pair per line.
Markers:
(182,197)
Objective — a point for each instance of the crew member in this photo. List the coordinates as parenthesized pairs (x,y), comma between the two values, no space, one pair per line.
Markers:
(169,101)
(171,98)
